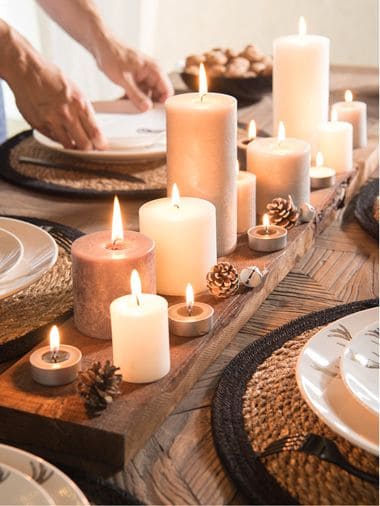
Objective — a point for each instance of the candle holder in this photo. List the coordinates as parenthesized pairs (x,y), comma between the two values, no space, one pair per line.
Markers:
(267,238)
(320,176)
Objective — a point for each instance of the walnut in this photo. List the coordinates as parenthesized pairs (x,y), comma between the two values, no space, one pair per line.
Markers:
(268,66)
(257,67)
(192,69)
(252,53)
(237,67)
(215,57)
(216,70)
(250,73)
(194,59)
(230,53)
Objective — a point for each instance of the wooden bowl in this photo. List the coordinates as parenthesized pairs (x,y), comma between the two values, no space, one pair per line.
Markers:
(244,89)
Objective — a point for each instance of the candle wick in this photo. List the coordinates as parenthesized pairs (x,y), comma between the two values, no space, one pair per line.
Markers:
(55,356)
(176,206)
(266,229)
(202,97)
(115,241)
(189,309)
(138,300)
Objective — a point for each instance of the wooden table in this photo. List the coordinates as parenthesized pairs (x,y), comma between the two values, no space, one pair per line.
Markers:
(179,463)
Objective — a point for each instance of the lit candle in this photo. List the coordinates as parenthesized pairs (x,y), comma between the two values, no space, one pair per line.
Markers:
(184,231)
(355,113)
(140,334)
(201,153)
(190,319)
(281,166)
(246,208)
(56,364)
(267,237)
(301,83)
(321,176)
(102,263)
(335,141)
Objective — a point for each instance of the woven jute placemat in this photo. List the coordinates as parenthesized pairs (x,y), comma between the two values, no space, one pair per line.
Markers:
(82,178)
(25,315)
(257,401)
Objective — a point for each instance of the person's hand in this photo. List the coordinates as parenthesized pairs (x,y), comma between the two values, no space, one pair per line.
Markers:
(140,76)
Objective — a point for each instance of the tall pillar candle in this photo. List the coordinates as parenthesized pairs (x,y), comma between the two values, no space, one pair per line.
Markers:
(184,231)
(353,112)
(246,208)
(335,142)
(201,153)
(140,335)
(281,166)
(101,267)
(301,83)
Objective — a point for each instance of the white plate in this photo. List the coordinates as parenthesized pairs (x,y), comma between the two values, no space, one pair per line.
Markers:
(122,131)
(360,367)
(18,488)
(40,254)
(11,251)
(59,486)
(318,378)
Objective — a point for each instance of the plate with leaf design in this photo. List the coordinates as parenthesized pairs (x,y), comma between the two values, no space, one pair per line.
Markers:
(360,367)
(319,380)
(53,482)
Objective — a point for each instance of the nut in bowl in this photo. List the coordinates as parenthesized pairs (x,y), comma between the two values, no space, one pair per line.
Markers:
(246,75)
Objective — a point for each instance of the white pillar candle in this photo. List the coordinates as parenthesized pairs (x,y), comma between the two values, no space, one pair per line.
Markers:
(201,153)
(140,335)
(356,114)
(281,166)
(184,231)
(335,141)
(320,175)
(246,208)
(301,83)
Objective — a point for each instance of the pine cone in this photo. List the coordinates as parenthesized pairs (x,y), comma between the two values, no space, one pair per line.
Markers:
(99,385)
(223,280)
(283,212)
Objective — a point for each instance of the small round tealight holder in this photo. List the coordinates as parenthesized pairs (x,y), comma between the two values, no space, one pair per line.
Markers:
(56,364)
(267,238)
(190,319)
(320,176)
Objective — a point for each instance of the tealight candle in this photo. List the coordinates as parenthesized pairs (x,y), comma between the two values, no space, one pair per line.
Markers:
(320,176)
(335,142)
(101,267)
(246,208)
(267,237)
(140,334)
(56,364)
(356,114)
(190,319)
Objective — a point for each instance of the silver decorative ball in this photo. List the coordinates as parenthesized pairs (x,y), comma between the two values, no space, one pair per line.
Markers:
(307,212)
(251,276)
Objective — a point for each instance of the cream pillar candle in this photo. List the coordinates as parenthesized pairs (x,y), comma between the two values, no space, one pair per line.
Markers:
(356,114)
(281,166)
(184,231)
(246,208)
(301,83)
(140,335)
(201,153)
(335,141)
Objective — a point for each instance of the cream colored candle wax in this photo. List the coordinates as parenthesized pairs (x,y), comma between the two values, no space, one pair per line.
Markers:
(201,154)
(246,208)
(353,112)
(281,166)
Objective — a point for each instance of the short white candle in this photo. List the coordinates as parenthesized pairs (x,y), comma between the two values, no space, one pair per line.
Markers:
(140,335)
(335,141)
(301,83)
(246,185)
(184,230)
(356,114)
(281,166)
(320,175)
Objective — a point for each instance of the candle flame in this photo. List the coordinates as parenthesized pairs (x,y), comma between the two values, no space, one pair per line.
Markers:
(334,115)
(202,81)
(117,224)
(302,26)
(54,339)
(175,196)
(281,132)
(136,285)
(266,220)
(252,130)
(348,96)
(319,159)
(189,298)
(237,167)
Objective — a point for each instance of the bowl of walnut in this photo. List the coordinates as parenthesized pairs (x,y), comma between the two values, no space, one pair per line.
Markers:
(246,75)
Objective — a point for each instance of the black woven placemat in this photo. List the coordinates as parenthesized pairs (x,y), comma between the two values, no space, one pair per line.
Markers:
(82,179)
(367,208)
(252,478)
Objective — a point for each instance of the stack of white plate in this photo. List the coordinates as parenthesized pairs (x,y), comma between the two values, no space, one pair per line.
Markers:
(28,479)
(26,253)
(338,376)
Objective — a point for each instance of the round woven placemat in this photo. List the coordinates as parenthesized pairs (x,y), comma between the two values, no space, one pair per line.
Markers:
(26,314)
(82,178)
(367,207)
(257,401)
